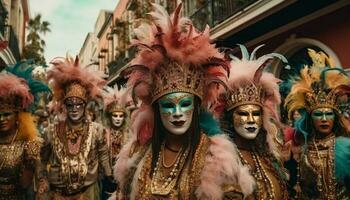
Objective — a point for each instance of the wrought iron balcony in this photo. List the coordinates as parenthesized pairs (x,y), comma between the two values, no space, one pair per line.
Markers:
(3,16)
(213,12)
(13,42)
(117,64)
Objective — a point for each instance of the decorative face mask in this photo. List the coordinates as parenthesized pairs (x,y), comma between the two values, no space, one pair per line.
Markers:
(323,120)
(76,108)
(176,111)
(7,121)
(117,119)
(247,120)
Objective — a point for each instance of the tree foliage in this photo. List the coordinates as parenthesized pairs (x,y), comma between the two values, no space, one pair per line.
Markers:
(35,46)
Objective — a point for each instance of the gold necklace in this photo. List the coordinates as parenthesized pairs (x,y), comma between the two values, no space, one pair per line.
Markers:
(176,160)
(260,174)
(161,184)
(13,139)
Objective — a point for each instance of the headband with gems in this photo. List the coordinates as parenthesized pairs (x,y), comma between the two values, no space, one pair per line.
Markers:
(75,90)
(177,78)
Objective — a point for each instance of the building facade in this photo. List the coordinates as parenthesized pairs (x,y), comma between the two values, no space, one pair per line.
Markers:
(14,15)
(288,27)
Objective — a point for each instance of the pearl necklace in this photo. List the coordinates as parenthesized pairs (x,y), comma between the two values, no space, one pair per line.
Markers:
(260,174)
(161,184)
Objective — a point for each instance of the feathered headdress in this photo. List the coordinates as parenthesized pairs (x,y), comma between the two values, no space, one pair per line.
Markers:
(115,99)
(14,93)
(173,57)
(68,79)
(24,69)
(248,84)
(319,85)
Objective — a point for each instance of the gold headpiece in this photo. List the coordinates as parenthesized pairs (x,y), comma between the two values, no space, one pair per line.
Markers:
(177,78)
(321,100)
(114,107)
(76,90)
(7,106)
(319,85)
(250,94)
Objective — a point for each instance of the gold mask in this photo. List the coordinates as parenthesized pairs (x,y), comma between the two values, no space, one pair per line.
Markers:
(247,121)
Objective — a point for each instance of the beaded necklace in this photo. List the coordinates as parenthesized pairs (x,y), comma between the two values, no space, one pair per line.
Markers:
(162,184)
(260,175)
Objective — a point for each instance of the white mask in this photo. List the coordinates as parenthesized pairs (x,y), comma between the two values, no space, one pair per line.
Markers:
(75,108)
(176,111)
(247,120)
(117,119)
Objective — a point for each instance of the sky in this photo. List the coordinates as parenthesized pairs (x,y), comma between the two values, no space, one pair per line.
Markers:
(70,20)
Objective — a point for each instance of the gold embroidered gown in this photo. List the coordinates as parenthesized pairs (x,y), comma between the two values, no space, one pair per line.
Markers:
(73,169)
(317,172)
(269,182)
(16,157)
(186,180)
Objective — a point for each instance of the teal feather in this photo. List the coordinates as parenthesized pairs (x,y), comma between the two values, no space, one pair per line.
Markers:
(252,55)
(244,50)
(24,69)
(342,159)
(209,124)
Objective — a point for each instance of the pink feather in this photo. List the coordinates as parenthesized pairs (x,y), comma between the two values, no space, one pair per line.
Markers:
(13,89)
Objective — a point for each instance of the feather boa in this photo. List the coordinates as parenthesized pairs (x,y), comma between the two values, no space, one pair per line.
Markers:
(223,166)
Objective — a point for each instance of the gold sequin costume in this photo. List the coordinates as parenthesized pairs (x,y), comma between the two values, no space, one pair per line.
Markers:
(250,85)
(70,171)
(74,157)
(323,166)
(14,159)
(20,154)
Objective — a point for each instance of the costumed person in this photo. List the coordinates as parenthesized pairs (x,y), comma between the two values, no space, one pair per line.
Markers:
(76,149)
(116,118)
(324,160)
(19,141)
(251,101)
(177,150)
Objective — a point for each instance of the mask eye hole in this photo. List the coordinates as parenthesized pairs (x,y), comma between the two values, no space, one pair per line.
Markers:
(186,103)
(243,113)
(256,113)
(329,113)
(167,105)
(317,114)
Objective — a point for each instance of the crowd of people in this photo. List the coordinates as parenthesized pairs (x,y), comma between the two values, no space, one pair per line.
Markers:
(191,122)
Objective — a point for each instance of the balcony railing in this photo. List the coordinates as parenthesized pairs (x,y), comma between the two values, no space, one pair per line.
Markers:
(13,42)
(115,65)
(213,12)
(3,16)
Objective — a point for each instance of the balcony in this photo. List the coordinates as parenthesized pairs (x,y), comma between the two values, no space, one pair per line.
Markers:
(213,12)
(118,63)
(13,42)
(3,16)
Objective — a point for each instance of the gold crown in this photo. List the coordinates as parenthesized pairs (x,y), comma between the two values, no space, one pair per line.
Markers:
(321,100)
(177,78)
(114,107)
(250,94)
(76,90)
